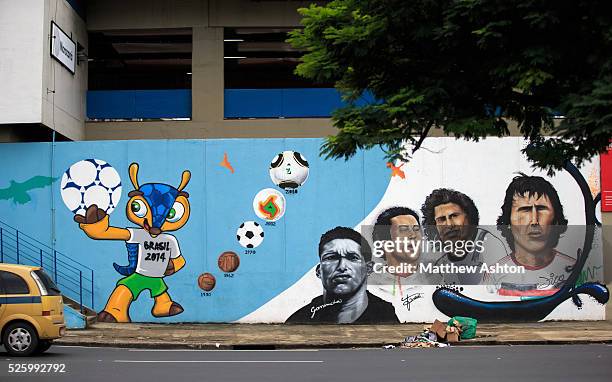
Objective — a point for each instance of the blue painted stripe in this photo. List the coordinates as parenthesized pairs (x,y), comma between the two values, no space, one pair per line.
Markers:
(131,104)
(20,300)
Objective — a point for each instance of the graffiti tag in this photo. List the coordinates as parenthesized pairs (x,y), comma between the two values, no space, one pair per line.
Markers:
(588,274)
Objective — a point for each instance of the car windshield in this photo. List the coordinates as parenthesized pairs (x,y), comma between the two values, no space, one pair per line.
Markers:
(52,289)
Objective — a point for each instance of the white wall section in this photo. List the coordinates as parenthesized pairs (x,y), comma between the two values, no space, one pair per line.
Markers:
(21,60)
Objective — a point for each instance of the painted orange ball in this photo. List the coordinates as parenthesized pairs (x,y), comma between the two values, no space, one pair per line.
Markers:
(228,261)
(207,282)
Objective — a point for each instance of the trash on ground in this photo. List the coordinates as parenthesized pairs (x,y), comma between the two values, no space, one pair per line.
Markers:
(466,325)
(427,339)
(440,334)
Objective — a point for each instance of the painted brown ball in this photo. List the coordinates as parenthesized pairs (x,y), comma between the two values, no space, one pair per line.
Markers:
(228,261)
(207,281)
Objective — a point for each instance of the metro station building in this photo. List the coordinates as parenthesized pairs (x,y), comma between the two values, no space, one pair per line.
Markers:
(157,69)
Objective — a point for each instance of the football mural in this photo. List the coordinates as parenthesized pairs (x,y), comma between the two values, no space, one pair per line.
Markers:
(153,254)
(464,228)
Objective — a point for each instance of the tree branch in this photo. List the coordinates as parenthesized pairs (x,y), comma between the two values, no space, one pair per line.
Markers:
(424,135)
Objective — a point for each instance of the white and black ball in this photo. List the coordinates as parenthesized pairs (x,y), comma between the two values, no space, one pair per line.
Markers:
(250,234)
(289,169)
(90,181)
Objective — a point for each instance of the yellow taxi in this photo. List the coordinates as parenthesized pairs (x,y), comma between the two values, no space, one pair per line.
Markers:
(31,310)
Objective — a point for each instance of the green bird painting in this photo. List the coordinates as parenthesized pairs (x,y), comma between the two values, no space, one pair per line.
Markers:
(18,192)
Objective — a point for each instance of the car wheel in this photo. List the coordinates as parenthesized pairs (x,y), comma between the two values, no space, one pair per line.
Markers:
(20,339)
(43,346)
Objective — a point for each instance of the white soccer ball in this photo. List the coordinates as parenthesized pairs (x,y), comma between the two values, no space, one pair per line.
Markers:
(250,234)
(269,204)
(289,169)
(91,181)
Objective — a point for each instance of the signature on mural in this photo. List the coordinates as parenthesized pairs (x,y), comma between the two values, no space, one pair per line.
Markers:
(315,309)
(406,301)
(18,192)
(551,281)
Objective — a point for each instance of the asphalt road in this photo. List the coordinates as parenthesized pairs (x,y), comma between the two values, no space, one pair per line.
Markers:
(487,363)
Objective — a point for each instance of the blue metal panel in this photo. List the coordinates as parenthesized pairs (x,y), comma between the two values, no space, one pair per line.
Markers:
(253,103)
(162,103)
(310,102)
(110,104)
(129,104)
(284,103)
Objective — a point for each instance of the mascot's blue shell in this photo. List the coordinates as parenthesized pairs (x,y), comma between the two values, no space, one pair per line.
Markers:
(160,198)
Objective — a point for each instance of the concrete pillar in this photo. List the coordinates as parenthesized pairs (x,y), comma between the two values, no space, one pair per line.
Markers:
(207,75)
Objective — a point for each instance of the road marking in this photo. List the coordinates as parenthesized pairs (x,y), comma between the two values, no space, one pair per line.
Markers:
(222,350)
(478,346)
(84,347)
(213,361)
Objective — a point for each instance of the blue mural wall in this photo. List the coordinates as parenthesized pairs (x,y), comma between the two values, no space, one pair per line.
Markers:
(241,187)
(335,194)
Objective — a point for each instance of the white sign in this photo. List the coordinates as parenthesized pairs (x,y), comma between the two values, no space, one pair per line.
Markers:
(63,48)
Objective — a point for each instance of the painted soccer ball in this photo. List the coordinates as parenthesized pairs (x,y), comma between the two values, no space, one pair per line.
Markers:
(269,204)
(207,282)
(229,261)
(91,181)
(289,169)
(250,234)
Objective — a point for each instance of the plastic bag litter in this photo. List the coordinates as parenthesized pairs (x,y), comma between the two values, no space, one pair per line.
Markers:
(467,326)
(427,339)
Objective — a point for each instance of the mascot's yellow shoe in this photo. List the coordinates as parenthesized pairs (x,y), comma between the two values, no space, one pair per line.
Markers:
(165,307)
(117,307)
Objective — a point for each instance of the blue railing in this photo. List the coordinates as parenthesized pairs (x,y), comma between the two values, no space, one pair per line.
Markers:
(138,104)
(75,280)
(284,103)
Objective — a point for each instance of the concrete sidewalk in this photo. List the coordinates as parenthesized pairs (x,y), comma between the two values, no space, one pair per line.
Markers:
(263,336)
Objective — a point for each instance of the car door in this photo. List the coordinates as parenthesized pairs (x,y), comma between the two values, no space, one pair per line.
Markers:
(2,299)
